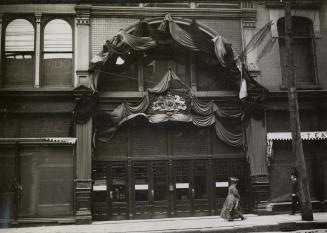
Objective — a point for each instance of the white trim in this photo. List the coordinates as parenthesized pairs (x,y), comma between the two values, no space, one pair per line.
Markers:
(283,136)
(54,140)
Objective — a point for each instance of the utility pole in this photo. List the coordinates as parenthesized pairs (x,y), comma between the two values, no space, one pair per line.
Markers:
(297,149)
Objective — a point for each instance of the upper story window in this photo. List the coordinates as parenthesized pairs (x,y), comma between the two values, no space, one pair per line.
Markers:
(303,50)
(19,51)
(57,64)
(30,61)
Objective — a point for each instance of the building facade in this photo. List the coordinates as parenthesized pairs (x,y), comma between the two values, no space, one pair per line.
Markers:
(133,110)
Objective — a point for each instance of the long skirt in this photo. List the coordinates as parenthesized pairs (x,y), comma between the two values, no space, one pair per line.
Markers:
(231,209)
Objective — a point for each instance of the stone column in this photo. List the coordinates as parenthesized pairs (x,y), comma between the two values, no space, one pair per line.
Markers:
(82,45)
(256,152)
(37,49)
(83,181)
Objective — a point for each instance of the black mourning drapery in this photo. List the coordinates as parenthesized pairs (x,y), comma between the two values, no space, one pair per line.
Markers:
(145,38)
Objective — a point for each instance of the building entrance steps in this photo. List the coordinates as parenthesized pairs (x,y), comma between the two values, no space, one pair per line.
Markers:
(253,223)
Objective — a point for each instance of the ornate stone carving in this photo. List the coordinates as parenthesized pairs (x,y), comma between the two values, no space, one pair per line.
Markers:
(83,14)
(249,24)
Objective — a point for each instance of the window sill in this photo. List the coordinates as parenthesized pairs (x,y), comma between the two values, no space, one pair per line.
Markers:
(303,87)
(30,91)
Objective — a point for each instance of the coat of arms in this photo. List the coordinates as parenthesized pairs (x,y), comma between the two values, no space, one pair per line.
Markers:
(169,104)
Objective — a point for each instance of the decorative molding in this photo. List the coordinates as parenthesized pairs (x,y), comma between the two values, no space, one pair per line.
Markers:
(83,14)
(38,17)
(32,8)
(83,78)
(175,12)
(249,24)
(37,49)
(83,192)
(247,4)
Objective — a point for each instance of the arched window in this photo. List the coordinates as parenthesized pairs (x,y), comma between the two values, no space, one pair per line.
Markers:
(303,50)
(19,54)
(57,54)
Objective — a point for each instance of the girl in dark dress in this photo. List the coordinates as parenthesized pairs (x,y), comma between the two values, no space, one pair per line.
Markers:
(232,209)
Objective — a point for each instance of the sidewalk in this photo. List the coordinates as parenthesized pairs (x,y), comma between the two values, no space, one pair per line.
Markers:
(253,223)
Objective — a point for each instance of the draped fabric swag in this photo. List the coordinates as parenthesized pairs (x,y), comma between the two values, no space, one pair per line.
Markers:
(216,51)
(145,38)
(201,115)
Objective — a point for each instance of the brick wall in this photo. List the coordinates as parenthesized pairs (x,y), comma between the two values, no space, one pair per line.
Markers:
(103,29)
(230,29)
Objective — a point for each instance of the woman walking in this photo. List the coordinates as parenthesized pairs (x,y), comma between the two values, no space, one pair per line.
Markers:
(232,209)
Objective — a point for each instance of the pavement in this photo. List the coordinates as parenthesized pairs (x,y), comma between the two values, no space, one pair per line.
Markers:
(252,223)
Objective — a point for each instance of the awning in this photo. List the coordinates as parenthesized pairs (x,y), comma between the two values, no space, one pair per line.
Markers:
(287,136)
(284,136)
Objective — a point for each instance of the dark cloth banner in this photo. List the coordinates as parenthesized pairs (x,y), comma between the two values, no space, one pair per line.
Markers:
(256,137)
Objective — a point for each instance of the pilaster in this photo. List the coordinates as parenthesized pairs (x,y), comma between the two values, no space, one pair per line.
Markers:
(82,45)
(260,194)
(83,181)
(37,49)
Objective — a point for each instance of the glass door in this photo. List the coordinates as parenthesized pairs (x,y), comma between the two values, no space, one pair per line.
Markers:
(159,189)
(142,193)
(183,189)
(118,191)
(151,189)
(200,184)
(191,187)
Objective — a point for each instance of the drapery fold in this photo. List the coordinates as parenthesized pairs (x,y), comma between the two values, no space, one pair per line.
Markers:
(232,139)
(135,42)
(211,108)
(256,147)
(163,85)
(146,38)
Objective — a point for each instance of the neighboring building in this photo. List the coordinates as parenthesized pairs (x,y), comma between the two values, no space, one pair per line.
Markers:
(153,129)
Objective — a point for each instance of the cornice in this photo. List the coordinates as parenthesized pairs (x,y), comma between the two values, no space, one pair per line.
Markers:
(302,94)
(34,92)
(97,11)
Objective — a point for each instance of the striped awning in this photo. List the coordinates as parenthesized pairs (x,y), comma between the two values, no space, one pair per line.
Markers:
(287,136)
(284,136)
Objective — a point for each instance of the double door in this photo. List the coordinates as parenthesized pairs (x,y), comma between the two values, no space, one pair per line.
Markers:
(191,188)
(156,189)
(150,189)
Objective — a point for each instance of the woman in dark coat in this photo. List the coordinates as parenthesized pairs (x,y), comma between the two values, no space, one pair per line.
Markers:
(231,209)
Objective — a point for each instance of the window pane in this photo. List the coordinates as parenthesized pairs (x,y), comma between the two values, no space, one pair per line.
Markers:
(19,53)
(157,63)
(57,36)
(57,54)
(302,46)
(19,36)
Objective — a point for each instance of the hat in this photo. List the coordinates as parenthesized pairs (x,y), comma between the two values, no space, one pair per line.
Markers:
(233,179)
(294,172)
